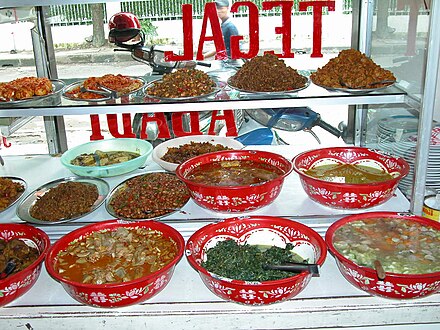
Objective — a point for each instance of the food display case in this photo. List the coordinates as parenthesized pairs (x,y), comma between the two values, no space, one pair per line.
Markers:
(328,301)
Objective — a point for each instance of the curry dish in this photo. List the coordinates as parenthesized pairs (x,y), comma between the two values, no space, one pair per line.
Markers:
(18,252)
(9,192)
(349,173)
(115,256)
(234,173)
(104,158)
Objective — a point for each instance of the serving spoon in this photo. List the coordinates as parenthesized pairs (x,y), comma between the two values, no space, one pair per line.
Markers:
(370,85)
(10,267)
(379,270)
(294,267)
(163,209)
(99,92)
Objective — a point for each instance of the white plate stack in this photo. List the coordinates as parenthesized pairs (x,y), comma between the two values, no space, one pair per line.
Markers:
(398,136)
(391,130)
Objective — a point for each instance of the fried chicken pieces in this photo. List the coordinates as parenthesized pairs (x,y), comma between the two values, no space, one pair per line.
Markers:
(352,69)
(25,88)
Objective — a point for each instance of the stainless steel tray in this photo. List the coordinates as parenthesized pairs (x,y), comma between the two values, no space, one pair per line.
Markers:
(23,209)
(18,180)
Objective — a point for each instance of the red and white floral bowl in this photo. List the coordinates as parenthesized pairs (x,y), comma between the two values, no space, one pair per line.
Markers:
(18,284)
(344,195)
(235,198)
(260,230)
(118,294)
(397,286)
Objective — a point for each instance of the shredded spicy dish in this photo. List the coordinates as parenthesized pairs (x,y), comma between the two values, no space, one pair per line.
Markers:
(25,88)
(178,155)
(9,192)
(182,83)
(117,83)
(352,69)
(65,201)
(116,256)
(149,196)
(267,73)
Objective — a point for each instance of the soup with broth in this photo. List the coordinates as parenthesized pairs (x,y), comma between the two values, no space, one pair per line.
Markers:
(348,173)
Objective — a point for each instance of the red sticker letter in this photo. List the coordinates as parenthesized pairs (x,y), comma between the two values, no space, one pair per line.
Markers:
(317,21)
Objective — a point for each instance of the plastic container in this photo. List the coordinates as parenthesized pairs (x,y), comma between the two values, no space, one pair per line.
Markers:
(144,148)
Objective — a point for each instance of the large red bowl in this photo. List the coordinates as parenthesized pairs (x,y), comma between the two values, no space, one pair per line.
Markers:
(344,195)
(19,283)
(235,198)
(398,286)
(261,230)
(118,294)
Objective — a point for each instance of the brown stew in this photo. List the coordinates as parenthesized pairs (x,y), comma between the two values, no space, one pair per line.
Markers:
(115,256)
(17,251)
(234,173)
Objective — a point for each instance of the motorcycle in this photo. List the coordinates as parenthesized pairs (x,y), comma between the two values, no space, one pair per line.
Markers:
(286,119)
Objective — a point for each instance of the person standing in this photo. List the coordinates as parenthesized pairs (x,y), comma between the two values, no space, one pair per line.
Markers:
(228,29)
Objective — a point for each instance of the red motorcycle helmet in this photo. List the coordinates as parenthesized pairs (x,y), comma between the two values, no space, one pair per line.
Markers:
(123,27)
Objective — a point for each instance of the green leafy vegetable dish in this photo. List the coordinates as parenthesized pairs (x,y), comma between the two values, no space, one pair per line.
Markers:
(246,262)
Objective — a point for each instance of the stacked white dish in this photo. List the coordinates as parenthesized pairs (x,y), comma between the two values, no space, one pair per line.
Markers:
(391,130)
(398,136)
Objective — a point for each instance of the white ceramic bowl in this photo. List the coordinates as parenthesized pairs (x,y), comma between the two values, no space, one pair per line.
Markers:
(160,150)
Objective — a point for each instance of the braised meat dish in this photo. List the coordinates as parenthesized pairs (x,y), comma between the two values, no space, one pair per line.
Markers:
(354,70)
(18,253)
(267,73)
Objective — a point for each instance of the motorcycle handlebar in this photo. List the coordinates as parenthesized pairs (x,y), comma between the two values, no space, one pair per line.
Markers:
(208,65)
(329,128)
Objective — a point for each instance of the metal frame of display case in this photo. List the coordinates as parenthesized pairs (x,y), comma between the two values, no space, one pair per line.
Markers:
(186,303)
